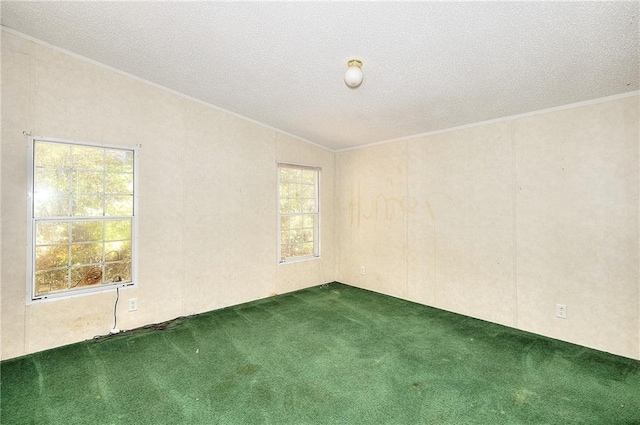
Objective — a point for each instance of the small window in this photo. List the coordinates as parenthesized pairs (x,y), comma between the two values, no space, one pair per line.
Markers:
(82,212)
(299,212)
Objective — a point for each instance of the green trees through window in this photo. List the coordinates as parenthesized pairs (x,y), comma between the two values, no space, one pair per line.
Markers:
(82,216)
(299,212)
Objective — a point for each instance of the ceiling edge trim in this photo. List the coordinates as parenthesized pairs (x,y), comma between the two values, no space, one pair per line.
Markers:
(498,120)
(158,86)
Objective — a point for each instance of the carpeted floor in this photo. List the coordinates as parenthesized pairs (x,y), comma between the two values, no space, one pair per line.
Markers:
(324,355)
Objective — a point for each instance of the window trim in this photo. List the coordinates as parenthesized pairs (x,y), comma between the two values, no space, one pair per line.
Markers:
(31,243)
(317,225)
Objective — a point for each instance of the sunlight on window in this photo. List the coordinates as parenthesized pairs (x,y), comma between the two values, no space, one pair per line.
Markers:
(299,212)
(83,216)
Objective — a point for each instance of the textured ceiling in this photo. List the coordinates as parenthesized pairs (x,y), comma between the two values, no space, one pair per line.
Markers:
(427,65)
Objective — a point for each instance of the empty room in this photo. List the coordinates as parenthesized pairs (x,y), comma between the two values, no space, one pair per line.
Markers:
(320,213)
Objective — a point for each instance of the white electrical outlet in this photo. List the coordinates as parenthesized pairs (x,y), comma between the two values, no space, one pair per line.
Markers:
(362,270)
(133,304)
(561,311)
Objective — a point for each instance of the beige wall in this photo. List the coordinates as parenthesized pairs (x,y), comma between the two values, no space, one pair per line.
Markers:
(207,197)
(499,222)
(504,221)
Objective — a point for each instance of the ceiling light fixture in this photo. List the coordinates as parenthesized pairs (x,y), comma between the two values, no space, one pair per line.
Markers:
(353,76)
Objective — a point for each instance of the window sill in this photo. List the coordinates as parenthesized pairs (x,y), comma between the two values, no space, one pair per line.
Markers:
(79,293)
(298,260)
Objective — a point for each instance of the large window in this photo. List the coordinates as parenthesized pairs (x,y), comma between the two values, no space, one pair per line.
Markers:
(299,217)
(82,212)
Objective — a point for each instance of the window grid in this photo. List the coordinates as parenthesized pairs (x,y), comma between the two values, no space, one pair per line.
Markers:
(97,259)
(299,213)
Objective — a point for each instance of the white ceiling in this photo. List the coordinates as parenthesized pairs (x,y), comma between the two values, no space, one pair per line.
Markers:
(427,65)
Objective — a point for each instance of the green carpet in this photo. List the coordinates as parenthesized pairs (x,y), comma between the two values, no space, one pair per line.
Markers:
(324,355)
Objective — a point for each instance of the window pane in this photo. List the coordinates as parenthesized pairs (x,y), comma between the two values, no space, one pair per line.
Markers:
(119,183)
(308,191)
(295,190)
(117,251)
(119,205)
(308,177)
(307,235)
(296,243)
(289,175)
(87,205)
(76,189)
(287,205)
(51,180)
(51,281)
(118,272)
(308,221)
(50,205)
(298,199)
(284,252)
(86,276)
(48,233)
(307,248)
(286,236)
(87,157)
(86,231)
(90,253)
(49,257)
(52,155)
(88,182)
(295,222)
(283,175)
(117,230)
(119,160)
(308,205)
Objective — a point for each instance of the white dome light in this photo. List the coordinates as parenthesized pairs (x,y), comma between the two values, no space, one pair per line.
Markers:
(353,76)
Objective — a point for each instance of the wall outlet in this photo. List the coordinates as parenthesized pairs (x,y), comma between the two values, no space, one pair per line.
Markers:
(362,270)
(133,304)
(561,311)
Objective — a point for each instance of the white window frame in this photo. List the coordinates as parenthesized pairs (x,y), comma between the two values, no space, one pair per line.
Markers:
(316,229)
(31,241)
